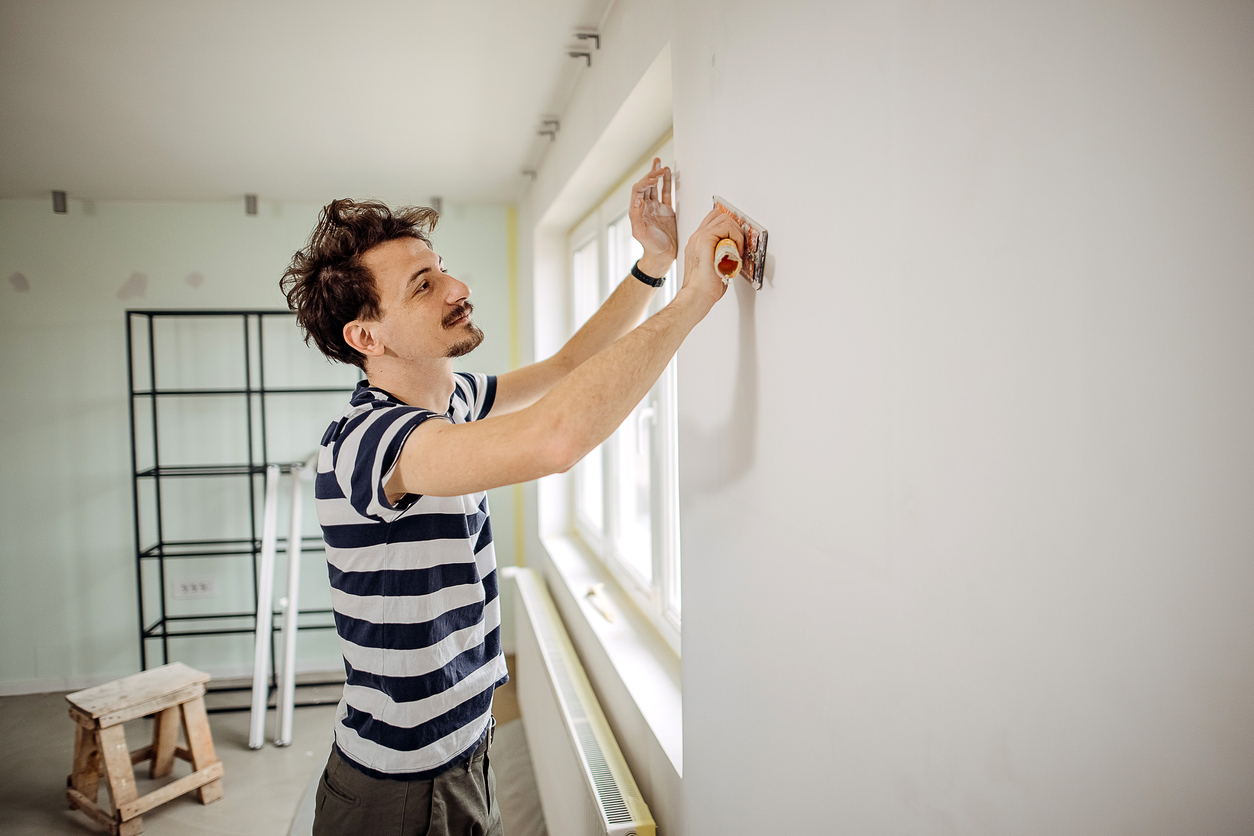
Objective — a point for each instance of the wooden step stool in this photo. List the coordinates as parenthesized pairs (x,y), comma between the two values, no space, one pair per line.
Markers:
(100,744)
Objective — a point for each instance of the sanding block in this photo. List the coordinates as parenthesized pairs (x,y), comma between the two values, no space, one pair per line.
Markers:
(752,261)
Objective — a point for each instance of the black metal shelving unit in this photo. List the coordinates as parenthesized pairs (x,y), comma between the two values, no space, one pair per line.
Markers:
(157,624)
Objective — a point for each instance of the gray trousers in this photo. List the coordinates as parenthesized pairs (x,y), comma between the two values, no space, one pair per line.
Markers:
(460,801)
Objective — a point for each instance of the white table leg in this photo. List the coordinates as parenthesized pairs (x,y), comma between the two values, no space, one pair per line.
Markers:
(265,610)
(291,607)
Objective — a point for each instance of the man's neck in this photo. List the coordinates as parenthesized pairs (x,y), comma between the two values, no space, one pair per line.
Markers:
(426,385)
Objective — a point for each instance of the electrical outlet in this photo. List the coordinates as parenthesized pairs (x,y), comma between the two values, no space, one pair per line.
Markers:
(195,589)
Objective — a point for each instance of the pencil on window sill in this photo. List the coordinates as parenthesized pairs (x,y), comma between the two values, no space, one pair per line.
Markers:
(596,593)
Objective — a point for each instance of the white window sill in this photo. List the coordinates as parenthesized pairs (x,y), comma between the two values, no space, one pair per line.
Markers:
(637,661)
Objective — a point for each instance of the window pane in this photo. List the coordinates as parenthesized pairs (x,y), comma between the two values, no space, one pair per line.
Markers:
(584,278)
(677,593)
(590,499)
(632,443)
(623,249)
(666,432)
(633,440)
(589,473)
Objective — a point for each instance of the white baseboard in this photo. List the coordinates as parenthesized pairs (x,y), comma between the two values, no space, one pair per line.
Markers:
(322,669)
(56,684)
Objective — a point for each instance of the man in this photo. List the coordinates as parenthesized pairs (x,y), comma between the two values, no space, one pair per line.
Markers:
(402,475)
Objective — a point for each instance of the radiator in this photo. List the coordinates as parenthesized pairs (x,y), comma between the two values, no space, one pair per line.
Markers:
(585,786)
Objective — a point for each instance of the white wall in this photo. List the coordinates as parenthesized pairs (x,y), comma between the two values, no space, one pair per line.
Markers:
(966,487)
(67,609)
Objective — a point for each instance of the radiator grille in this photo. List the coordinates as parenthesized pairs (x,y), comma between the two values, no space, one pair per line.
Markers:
(612,803)
(609,790)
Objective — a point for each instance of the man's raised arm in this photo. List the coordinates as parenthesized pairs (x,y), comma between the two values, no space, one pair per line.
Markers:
(580,411)
(653,225)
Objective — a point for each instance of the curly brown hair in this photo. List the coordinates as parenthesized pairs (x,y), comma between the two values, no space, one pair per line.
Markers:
(327,284)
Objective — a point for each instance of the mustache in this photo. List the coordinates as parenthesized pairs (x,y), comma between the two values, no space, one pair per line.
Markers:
(464,309)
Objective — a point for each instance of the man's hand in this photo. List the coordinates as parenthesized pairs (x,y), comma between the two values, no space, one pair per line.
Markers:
(700,275)
(653,220)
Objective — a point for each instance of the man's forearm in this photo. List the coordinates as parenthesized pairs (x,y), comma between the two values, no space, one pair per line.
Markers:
(444,459)
(590,402)
(618,315)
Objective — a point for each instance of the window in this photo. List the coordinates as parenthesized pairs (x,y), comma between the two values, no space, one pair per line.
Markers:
(625,493)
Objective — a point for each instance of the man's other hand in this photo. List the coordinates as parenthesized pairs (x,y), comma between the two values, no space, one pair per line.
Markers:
(653,220)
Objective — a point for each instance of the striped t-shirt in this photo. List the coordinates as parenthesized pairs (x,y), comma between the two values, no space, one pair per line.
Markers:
(413,586)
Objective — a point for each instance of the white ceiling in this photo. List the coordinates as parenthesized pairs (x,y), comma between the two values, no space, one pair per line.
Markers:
(294,100)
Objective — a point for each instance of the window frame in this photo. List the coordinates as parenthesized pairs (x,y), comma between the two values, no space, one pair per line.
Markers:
(657,597)
(583,235)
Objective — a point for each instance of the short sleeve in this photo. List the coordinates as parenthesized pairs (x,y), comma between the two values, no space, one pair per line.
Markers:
(365,451)
(473,396)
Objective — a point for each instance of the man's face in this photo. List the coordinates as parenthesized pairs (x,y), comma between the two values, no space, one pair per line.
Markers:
(425,312)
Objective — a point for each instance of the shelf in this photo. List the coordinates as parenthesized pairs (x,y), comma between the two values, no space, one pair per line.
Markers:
(241,547)
(155,631)
(198,312)
(177,470)
(154,499)
(269,390)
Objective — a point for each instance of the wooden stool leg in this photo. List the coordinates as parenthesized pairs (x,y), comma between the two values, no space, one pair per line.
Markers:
(120,777)
(85,776)
(165,737)
(200,745)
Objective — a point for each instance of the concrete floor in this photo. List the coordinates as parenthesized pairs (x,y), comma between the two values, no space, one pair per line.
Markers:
(262,788)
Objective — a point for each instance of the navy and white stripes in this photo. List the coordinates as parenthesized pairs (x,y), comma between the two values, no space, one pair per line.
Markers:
(414,589)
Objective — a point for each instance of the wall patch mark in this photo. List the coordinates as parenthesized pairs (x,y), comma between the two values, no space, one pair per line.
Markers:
(136,285)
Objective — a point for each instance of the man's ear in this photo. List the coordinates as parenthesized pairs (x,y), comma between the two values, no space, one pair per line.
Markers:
(360,337)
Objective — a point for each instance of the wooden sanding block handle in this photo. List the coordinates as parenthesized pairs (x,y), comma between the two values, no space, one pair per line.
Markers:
(727,259)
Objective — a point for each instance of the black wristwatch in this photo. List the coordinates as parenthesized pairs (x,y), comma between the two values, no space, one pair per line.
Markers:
(647,279)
